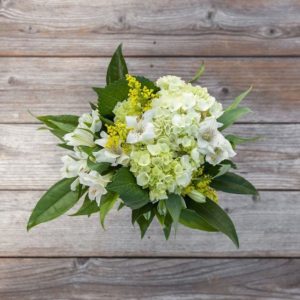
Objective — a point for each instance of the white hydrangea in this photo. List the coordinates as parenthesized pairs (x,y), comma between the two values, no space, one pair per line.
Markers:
(185,135)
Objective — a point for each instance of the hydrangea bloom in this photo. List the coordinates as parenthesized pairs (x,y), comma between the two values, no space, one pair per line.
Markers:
(174,137)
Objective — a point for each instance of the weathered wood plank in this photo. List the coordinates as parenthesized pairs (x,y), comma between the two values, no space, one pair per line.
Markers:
(60,85)
(157,279)
(266,227)
(30,159)
(191,27)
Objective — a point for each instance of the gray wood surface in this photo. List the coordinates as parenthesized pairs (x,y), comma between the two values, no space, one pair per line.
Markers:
(53,52)
(155,279)
(57,85)
(190,27)
(267,227)
(30,159)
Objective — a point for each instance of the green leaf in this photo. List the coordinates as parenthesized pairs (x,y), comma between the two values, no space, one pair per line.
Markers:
(106,204)
(64,126)
(110,96)
(198,74)
(93,106)
(218,170)
(105,120)
(229,162)
(215,216)
(59,125)
(88,208)
(161,207)
(234,184)
(121,205)
(175,204)
(124,183)
(136,213)
(231,116)
(147,83)
(117,68)
(165,221)
(191,219)
(168,221)
(236,140)
(101,168)
(144,223)
(238,100)
(69,121)
(55,202)
(58,133)
(65,146)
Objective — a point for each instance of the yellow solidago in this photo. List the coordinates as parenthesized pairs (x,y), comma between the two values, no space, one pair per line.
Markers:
(203,187)
(139,97)
(117,135)
(138,101)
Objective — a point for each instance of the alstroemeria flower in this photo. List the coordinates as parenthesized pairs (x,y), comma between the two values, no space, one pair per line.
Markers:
(72,165)
(113,156)
(222,151)
(208,135)
(142,130)
(96,184)
(80,137)
(90,121)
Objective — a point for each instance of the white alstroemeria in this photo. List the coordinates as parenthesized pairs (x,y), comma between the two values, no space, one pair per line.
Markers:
(103,141)
(222,151)
(80,137)
(96,184)
(90,121)
(113,156)
(208,135)
(142,130)
(116,157)
(72,166)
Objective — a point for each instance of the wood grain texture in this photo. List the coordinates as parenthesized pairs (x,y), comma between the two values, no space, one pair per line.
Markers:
(155,279)
(192,27)
(268,226)
(61,85)
(30,159)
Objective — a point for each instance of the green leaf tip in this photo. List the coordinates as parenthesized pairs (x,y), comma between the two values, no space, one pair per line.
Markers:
(199,73)
(236,102)
(55,202)
(234,184)
(216,217)
(106,204)
(117,68)
(231,116)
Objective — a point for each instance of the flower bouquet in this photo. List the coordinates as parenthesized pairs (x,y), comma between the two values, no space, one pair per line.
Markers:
(157,148)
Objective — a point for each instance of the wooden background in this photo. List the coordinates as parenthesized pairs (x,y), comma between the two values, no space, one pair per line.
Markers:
(52,52)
